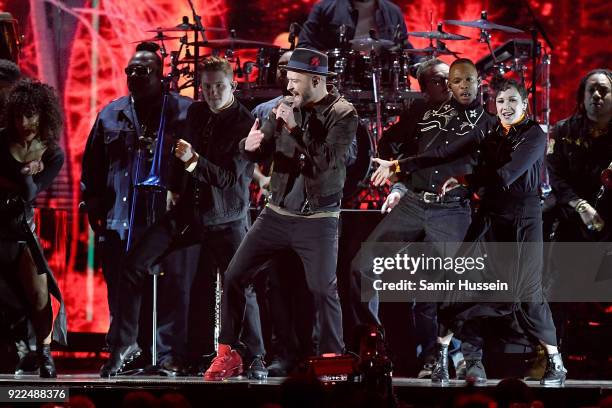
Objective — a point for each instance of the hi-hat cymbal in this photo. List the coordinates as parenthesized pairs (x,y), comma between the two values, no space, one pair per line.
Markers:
(159,37)
(370,44)
(233,43)
(183,27)
(430,51)
(437,35)
(483,25)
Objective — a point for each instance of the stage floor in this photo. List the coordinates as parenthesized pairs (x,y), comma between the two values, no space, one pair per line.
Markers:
(236,391)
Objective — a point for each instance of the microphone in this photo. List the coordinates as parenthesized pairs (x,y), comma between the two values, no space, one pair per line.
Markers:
(287,101)
(373,34)
(294,31)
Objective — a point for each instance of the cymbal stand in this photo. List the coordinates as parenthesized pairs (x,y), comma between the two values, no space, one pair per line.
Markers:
(197,28)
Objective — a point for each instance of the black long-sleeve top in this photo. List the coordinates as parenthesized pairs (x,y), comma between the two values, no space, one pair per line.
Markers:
(439,127)
(218,187)
(510,163)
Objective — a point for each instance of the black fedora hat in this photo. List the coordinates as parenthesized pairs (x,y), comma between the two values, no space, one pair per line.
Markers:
(308,61)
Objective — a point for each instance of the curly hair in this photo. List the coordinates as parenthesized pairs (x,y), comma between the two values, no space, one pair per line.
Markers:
(29,97)
(582,88)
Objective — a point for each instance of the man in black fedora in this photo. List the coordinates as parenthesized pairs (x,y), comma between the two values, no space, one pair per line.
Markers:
(307,136)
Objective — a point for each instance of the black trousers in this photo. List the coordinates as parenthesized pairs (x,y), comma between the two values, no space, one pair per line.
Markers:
(290,308)
(508,219)
(163,238)
(173,298)
(412,220)
(315,240)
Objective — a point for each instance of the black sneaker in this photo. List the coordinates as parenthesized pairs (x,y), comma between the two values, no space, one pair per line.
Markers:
(475,372)
(439,374)
(555,373)
(119,358)
(426,370)
(257,369)
(172,366)
(28,364)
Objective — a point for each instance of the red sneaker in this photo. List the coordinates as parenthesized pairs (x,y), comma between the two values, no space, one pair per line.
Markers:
(228,363)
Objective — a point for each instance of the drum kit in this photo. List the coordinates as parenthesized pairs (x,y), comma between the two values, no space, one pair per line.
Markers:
(370,72)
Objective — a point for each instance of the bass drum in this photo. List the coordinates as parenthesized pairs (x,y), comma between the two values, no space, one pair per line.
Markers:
(358,172)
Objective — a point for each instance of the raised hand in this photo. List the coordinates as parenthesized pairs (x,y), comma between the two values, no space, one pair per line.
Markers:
(254,138)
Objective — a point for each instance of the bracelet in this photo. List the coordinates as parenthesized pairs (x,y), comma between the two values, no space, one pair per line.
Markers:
(582,206)
(395,167)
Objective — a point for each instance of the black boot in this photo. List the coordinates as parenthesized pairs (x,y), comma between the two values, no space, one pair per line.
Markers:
(45,361)
(555,371)
(475,372)
(439,374)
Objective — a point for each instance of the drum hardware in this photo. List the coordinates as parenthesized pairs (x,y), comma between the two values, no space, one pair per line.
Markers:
(10,40)
(367,44)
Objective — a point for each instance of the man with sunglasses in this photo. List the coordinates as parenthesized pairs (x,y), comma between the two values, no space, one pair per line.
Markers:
(124,129)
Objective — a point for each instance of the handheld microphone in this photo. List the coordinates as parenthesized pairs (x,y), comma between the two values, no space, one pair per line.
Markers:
(287,101)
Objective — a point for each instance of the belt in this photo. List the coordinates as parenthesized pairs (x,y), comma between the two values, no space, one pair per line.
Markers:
(431,198)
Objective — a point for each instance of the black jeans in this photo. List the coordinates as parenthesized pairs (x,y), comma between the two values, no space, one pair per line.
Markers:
(316,243)
(163,238)
(412,220)
(173,300)
(290,308)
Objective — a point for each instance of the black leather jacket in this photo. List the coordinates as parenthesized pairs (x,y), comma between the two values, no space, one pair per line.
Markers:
(217,191)
(576,163)
(317,149)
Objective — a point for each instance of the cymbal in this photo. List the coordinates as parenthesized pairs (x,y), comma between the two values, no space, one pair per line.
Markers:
(437,35)
(233,43)
(183,27)
(430,51)
(160,37)
(369,44)
(483,25)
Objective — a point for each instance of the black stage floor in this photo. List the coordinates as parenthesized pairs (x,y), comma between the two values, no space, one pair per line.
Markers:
(240,392)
